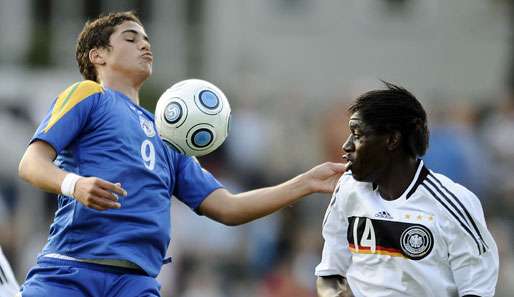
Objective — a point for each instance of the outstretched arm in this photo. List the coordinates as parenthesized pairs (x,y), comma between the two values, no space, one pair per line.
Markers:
(333,286)
(236,209)
(37,168)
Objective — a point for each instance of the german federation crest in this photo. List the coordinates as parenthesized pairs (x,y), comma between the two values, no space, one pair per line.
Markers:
(416,242)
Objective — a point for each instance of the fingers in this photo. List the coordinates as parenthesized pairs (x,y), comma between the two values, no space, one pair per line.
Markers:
(99,203)
(101,193)
(98,194)
(337,167)
(115,188)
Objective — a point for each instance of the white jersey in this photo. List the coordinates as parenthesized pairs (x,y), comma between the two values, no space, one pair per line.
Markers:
(431,241)
(8,285)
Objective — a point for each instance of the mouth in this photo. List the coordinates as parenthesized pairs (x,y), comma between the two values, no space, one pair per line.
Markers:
(147,57)
(349,162)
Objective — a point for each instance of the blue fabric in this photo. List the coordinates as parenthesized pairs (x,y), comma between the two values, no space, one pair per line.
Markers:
(107,136)
(55,277)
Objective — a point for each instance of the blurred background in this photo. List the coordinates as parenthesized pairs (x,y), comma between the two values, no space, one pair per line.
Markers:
(290,68)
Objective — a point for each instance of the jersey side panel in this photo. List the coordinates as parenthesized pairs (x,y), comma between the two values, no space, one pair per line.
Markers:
(336,257)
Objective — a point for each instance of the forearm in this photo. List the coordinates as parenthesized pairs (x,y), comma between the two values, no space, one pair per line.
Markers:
(230,209)
(333,286)
(255,204)
(247,206)
(37,168)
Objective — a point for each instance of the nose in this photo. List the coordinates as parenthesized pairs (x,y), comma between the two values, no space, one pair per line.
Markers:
(144,45)
(348,145)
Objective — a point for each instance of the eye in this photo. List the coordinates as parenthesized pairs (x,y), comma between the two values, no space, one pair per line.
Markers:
(129,40)
(356,136)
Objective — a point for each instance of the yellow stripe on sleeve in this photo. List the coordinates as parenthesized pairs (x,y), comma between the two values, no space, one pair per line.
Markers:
(72,96)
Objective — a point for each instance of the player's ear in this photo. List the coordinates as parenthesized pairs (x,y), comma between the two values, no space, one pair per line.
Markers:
(393,140)
(97,56)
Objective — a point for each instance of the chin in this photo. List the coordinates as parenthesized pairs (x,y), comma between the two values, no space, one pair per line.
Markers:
(359,177)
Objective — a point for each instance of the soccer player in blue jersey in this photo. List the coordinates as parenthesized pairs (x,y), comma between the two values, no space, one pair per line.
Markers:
(98,149)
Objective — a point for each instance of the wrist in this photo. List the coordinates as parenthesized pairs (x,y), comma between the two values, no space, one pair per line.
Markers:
(68,184)
(301,184)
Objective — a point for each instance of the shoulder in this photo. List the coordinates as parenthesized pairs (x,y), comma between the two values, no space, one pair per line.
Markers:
(80,91)
(463,211)
(68,99)
(76,93)
(456,195)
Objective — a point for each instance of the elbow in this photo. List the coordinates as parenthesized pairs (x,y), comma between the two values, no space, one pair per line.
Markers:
(233,223)
(230,219)
(22,170)
(230,223)
(232,216)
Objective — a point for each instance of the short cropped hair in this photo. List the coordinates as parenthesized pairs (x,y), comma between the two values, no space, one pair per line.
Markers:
(395,109)
(96,34)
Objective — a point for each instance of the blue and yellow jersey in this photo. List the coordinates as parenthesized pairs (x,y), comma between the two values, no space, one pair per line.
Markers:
(100,132)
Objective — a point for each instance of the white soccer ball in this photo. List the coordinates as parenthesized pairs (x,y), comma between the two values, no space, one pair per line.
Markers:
(193,116)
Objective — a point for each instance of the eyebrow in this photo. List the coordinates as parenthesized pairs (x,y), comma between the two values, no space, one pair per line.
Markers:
(135,32)
(355,120)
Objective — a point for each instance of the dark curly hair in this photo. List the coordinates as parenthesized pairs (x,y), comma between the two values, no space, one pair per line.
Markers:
(395,109)
(96,34)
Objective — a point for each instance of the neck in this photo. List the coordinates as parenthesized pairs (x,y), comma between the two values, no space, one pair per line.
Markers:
(125,85)
(397,178)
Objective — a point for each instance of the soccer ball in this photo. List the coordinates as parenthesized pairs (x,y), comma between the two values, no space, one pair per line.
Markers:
(193,117)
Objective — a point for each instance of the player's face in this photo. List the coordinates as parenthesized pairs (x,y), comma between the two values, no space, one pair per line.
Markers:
(130,52)
(365,151)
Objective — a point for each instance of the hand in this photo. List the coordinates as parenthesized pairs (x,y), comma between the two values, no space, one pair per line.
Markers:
(97,193)
(333,286)
(323,178)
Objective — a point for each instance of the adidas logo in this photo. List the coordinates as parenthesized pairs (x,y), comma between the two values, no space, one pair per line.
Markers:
(383,214)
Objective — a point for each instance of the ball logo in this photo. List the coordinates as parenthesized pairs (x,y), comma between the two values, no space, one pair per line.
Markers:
(173,112)
(147,126)
(416,242)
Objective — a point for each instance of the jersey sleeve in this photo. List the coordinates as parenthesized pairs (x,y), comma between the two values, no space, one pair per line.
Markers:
(193,183)
(475,269)
(336,256)
(68,115)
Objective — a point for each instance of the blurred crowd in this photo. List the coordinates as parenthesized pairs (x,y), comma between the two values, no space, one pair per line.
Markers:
(471,142)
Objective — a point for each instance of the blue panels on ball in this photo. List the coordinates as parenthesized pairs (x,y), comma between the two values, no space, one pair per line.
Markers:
(209,99)
(202,138)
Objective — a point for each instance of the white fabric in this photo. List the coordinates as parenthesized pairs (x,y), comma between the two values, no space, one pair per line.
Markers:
(458,264)
(109,262)
(68,184)
(8,284)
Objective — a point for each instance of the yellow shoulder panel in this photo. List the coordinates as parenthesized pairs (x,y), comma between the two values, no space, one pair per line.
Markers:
(72,96)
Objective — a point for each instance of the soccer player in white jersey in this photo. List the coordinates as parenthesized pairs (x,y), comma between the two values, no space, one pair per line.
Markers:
(8,284)
(393,227)
(115,176)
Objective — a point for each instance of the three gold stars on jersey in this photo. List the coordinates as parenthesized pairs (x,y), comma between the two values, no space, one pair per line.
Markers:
(419,218)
